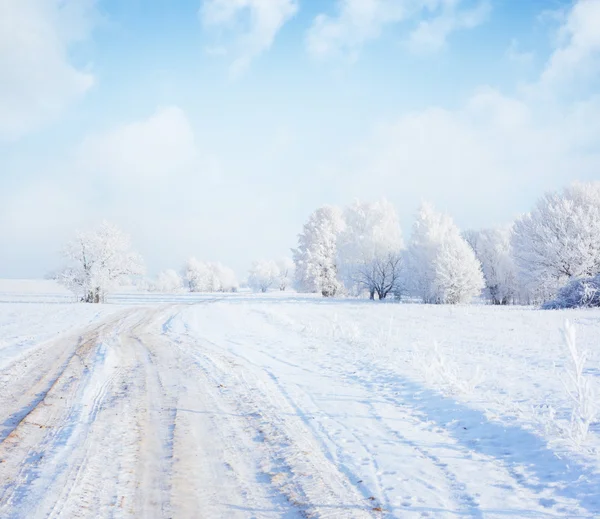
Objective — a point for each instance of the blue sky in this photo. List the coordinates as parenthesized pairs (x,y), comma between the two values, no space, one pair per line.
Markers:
(212,128)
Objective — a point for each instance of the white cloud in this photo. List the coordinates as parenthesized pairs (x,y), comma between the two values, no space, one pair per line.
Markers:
(494,153)
(496,150)
(140,153)
(150,176)
(255,23)
(578,53)
(38,81)
(431,35)
(359,21)
(514,54)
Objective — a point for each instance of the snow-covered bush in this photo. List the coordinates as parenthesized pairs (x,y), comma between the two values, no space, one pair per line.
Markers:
(99,261)
(263,275)
(168,281)
(584,292)
(316,256)
(441,267)
(369,249)
(286,273)
(209,277)
(224,278)
(442,372)
(197,275)
(493,250)
(559,240)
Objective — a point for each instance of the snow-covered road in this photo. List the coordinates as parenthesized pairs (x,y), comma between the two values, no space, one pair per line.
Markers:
(235,409)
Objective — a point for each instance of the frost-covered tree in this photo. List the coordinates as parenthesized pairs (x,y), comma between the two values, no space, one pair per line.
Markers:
(369,248)
(99,261)
(197,275)
(382,275)
(441,267)
(209,277)
(224,278)
(263,275)
(315,257)
(168,281)
(493,250)
(286,273)
(560,239)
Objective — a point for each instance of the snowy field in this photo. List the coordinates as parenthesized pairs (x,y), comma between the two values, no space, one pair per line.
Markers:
(242,406)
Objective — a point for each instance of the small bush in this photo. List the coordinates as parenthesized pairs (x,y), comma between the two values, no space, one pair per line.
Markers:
(583,292)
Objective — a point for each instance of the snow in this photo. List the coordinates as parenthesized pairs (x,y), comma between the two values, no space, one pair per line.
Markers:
(286,405)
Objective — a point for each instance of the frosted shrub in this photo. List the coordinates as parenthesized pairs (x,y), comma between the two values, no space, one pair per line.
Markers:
(168,281)
(203,276)
(578,388)
(440,371)
(584,292)
(263,275)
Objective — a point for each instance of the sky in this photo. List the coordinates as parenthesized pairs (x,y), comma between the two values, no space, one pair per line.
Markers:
(212,128)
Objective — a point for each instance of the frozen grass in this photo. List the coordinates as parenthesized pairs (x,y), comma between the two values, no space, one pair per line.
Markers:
(579,388)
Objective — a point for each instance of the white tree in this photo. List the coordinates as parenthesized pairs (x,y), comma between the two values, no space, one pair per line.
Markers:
(286,272)
(441,267)
(263,275)
(223,278)
(493,249)
(560,239)
(168,281)
(99,261)
(197,275)
(209,277)
(315,257)
(369,248)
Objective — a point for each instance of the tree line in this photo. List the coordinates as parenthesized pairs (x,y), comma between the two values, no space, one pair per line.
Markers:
(549,255)
(545,255)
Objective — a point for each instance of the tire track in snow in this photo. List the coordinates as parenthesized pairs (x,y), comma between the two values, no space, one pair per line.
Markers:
(466,501)
(463,501)
(337,456)
(83,473)
(158,424)
(47,425)
(20,396)
(60,451)
(307,476)
(230,449)
(500,476)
